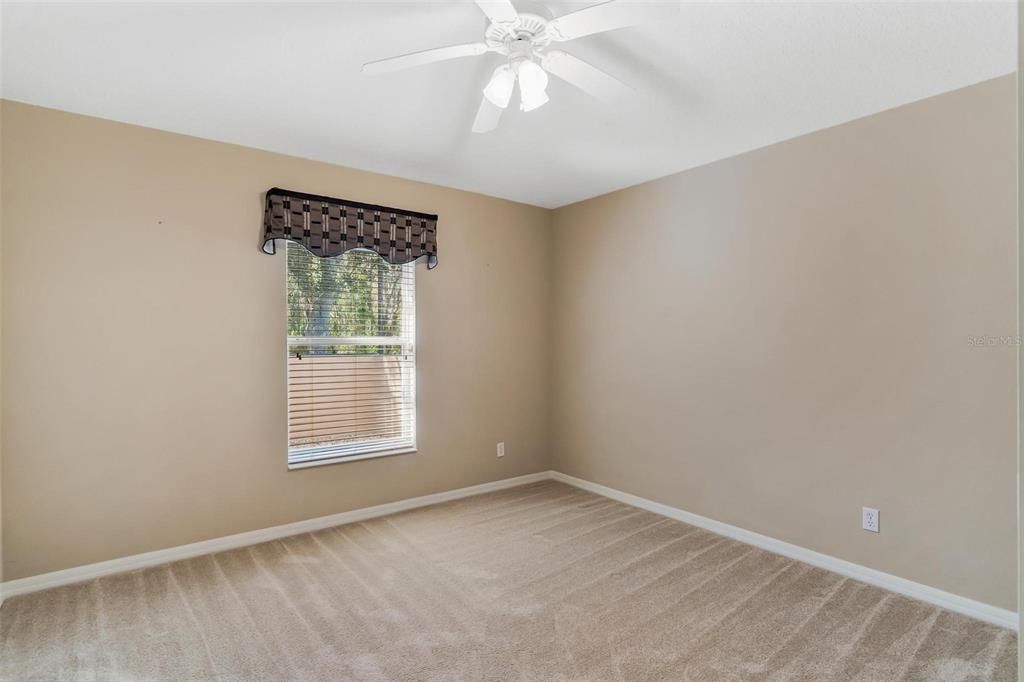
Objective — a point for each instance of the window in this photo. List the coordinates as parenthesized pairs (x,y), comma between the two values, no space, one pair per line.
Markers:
(351,357)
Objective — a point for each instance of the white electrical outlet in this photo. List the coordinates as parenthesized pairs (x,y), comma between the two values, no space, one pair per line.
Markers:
(869,519)
(501,449)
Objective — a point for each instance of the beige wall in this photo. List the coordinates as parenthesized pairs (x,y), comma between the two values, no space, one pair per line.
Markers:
(778,339)
(143,360)
(1,355)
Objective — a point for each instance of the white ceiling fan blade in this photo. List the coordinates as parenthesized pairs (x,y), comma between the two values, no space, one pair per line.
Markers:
(584,76)
(487,116)
(498,11)
(608,16)
(437,54)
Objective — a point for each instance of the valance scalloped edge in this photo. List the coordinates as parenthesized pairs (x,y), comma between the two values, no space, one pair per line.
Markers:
(329,227)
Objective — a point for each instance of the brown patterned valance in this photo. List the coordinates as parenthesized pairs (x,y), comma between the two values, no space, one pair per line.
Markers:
(330,227)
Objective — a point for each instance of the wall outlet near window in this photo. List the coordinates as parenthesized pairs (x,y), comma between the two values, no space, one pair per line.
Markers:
(869,519)
(501,449)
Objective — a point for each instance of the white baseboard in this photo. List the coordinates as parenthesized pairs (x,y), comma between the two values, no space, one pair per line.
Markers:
(947,600)
(162,556)
(953,602)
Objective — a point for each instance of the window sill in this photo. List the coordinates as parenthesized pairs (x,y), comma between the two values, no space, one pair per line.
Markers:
(338,459)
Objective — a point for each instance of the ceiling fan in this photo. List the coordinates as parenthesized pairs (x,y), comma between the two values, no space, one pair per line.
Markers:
(525,40)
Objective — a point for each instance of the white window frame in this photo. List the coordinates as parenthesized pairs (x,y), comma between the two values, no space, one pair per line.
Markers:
(307,456)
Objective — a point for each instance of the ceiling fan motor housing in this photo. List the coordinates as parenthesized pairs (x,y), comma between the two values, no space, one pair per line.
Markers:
(519,38)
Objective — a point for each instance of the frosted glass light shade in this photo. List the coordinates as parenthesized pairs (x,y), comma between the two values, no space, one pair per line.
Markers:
(533,81)
(499,89)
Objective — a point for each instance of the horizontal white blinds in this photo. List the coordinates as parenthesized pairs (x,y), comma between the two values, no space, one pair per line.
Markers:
(351,355)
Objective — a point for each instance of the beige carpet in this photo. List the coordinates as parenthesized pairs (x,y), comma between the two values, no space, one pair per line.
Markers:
(540,582)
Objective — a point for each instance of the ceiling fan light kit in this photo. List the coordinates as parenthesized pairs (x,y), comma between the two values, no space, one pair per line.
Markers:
(524,39)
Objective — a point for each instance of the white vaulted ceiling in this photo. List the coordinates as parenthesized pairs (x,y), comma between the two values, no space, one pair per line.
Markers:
(718,79)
